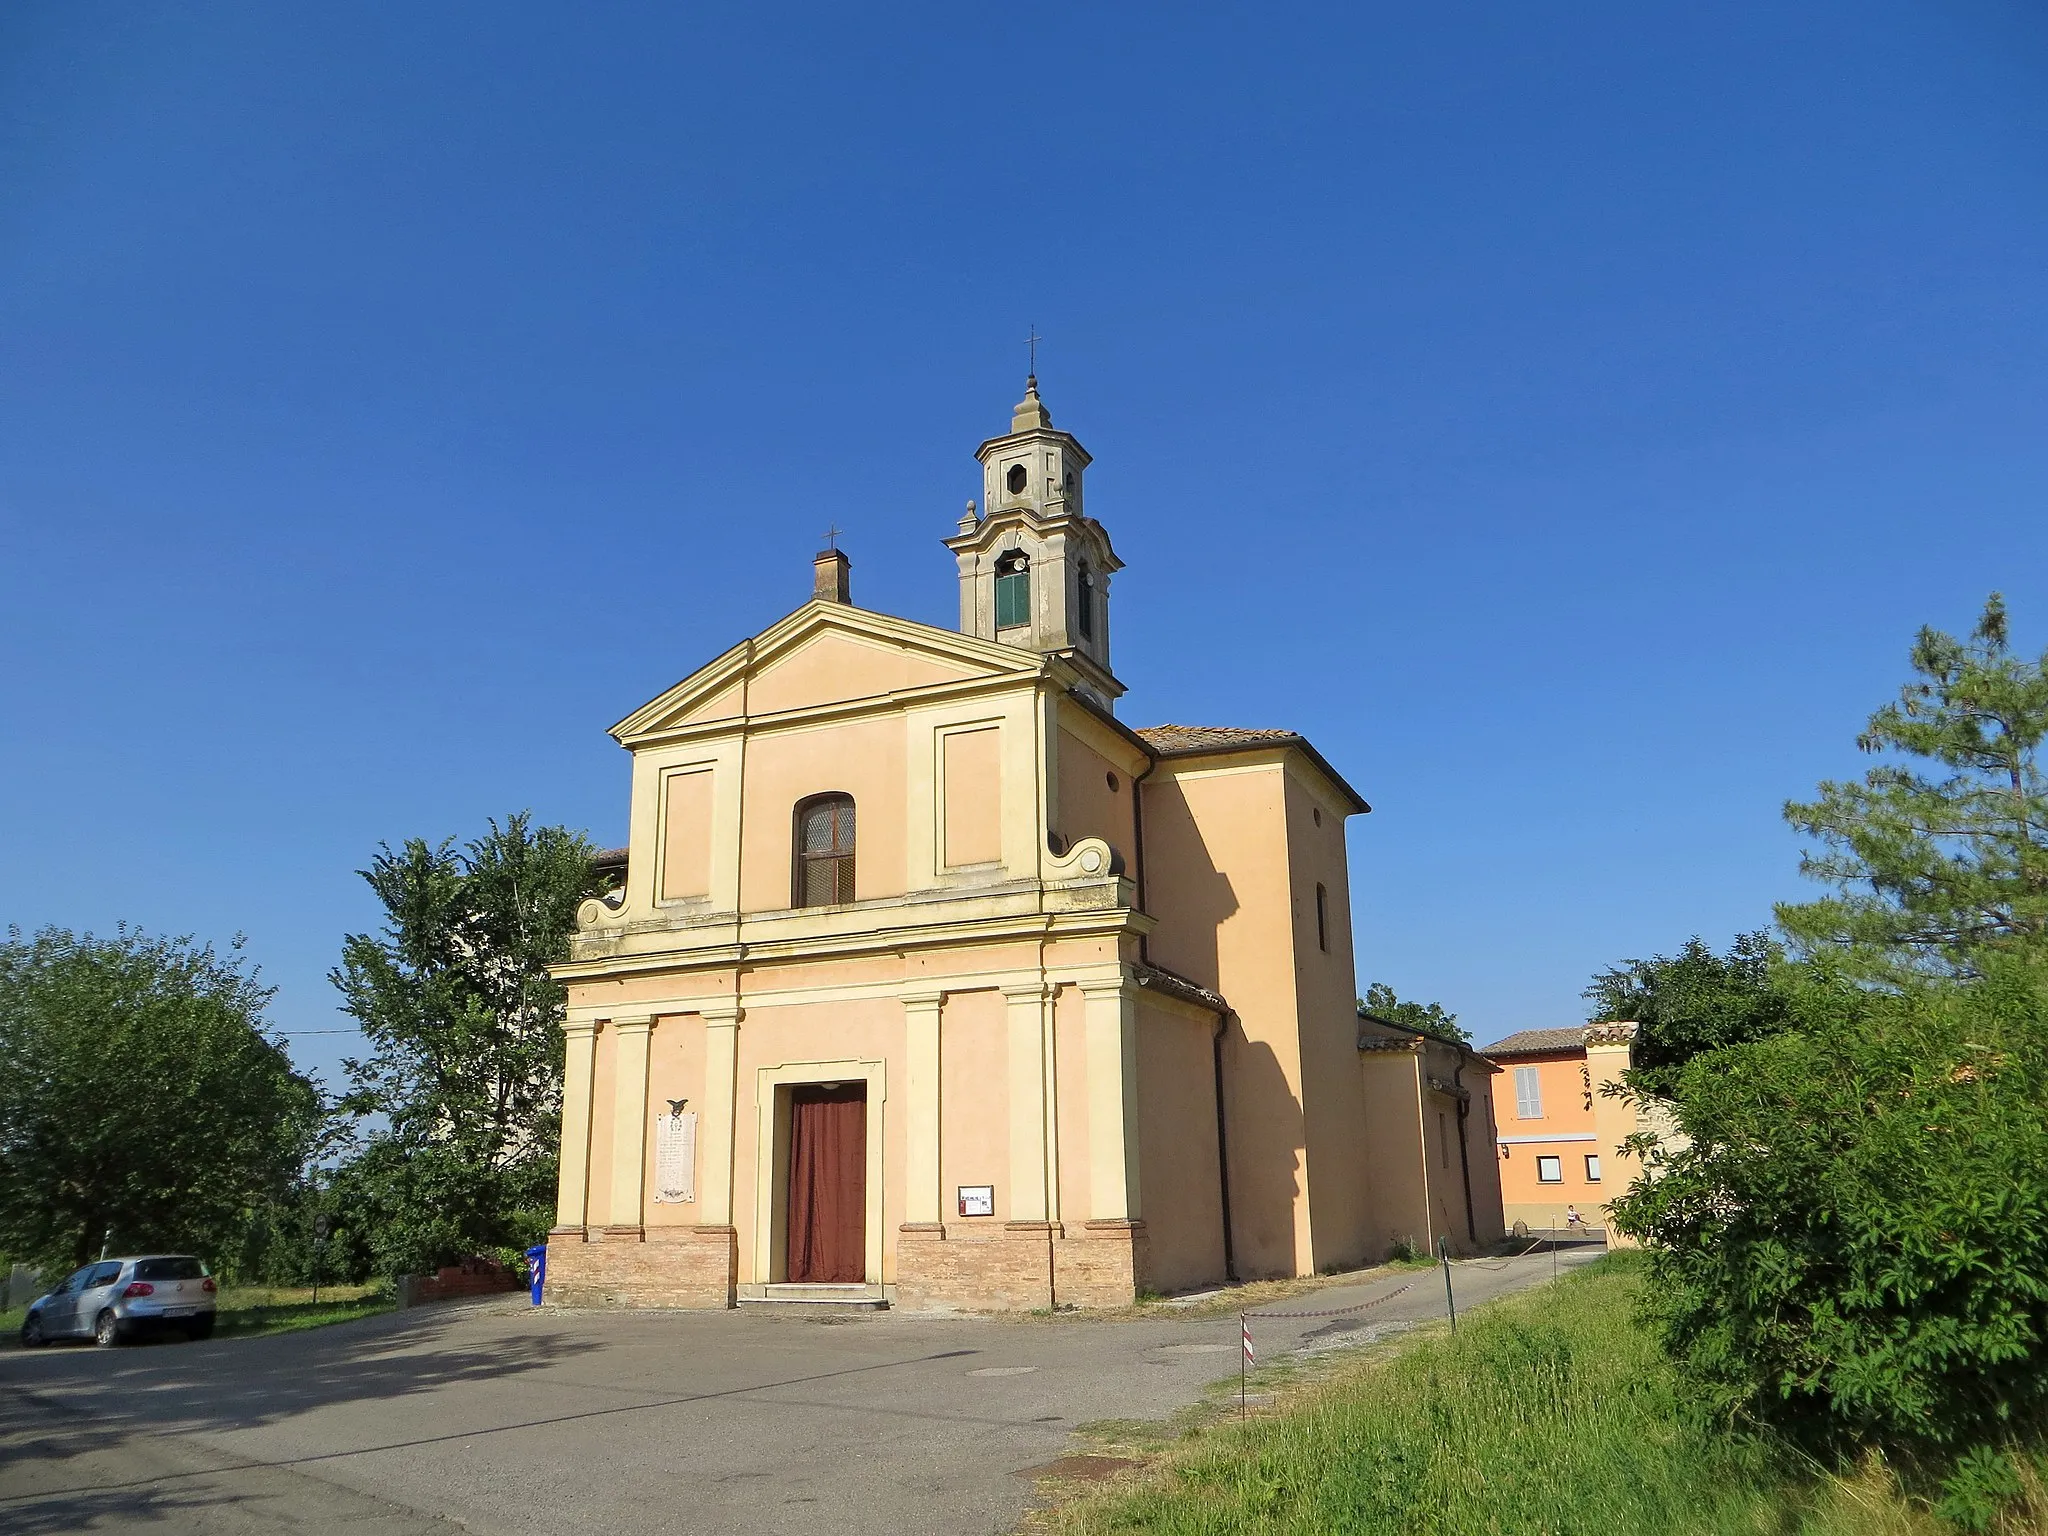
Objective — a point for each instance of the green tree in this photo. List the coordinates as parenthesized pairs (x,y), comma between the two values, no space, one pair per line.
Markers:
(142,1103)
(1850,1239)
(1934,867)
(1430,1018)
(1693,1002)
(459,1102)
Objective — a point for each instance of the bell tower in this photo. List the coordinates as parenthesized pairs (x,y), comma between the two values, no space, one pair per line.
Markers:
(1034,567)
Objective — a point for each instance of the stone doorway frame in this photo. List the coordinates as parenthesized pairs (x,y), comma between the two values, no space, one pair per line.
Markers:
(771,1158)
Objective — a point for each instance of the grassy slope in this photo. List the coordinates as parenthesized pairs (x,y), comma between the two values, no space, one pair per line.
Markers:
(1548,1413)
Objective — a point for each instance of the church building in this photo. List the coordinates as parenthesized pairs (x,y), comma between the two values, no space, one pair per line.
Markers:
(927,980)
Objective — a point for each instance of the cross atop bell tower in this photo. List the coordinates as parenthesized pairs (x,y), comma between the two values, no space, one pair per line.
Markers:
(1034,567)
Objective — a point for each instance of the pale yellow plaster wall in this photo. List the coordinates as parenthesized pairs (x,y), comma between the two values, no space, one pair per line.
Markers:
(1181,1197)
(675,1070)
(1213,829)
(686,800)
(862,758)
(972,815)
(1087,806)
(1326,993)
(974,1096)
(832,668)
(1391,1089)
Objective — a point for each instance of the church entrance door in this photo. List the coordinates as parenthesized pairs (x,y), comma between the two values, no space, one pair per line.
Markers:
(827,1197)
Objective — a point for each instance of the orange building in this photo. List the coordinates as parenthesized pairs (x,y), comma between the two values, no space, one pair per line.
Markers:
(1560,1136)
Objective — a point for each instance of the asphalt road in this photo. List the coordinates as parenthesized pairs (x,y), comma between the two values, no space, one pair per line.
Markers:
(503,1420)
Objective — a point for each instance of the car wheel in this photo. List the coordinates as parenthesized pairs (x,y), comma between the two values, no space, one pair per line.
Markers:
(32,1335)
(107,1332)
(203,1329)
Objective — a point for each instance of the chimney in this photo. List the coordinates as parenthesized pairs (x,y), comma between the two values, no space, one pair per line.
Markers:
(833,583)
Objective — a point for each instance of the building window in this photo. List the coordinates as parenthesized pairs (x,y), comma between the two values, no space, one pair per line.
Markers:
(1013,590)
(824,851)
(1322,918)
(1017,479)
(1443,1140)
(1550,1170)
(1084,602)
(1528,1094)
(1592,1167)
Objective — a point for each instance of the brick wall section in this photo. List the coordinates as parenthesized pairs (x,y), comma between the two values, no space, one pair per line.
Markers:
(474,1278)
(631,1267)
(1018,1267)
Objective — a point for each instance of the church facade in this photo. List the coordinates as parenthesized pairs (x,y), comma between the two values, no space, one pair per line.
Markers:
(927,980)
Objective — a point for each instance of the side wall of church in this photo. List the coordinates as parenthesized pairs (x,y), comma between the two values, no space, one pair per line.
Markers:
(1341,1172)
(1181,1195)
(1217,879)
(1391,1081)
(1084,802)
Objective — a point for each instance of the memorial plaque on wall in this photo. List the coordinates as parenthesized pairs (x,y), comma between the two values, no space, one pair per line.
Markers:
(675,1157)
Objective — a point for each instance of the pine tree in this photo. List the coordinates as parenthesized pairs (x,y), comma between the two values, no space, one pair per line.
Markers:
(1936,865)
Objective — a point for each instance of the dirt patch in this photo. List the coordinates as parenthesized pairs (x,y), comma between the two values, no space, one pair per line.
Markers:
(1080,1469)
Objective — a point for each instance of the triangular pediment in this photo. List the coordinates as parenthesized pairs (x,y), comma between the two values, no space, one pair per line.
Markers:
(823,655)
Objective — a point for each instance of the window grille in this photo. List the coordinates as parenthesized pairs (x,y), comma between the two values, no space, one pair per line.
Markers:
(1528,1094)
(824,851)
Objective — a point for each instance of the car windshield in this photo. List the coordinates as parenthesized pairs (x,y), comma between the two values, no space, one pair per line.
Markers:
(169,1269)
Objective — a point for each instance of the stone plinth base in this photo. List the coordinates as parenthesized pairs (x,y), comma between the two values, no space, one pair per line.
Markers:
(1019,1266)
(642,1266)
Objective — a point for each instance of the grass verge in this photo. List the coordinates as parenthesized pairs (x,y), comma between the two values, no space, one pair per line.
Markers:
(1549,1413)
(245,1311)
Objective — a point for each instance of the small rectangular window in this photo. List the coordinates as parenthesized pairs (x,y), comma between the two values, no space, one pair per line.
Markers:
(1013,599)
(1528,1094)
(1322,919)
(1592,1167)
(1550,1170)
(1443,1140)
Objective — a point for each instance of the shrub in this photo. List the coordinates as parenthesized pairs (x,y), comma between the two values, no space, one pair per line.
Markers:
(1853,1247)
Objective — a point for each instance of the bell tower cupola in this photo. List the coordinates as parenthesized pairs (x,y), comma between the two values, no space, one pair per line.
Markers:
(1034,567)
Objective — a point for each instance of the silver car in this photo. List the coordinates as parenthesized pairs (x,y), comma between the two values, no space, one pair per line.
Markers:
(116,1299)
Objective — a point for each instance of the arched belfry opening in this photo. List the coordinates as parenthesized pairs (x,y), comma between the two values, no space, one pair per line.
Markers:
(1034,567)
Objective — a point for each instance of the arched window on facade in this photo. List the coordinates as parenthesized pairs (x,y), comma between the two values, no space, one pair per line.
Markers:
(824,851)
(1084,601)
(1013,590)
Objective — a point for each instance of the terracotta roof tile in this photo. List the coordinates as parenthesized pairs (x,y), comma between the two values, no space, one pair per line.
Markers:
(1202,738)
(1530,1042)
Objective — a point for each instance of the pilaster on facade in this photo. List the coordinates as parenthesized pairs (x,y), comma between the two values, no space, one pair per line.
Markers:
(1111,1013)
(572,1190)
(923,1195)
(629,1121)
(720,1122)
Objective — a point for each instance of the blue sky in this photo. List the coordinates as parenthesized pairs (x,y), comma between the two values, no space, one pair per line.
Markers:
(1562,415)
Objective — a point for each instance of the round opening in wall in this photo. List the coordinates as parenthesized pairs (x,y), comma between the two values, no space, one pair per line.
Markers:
(1318,814)
(1114,786)
(1017,479)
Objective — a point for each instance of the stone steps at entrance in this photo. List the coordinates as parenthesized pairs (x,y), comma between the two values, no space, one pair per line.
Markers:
(814,1298)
